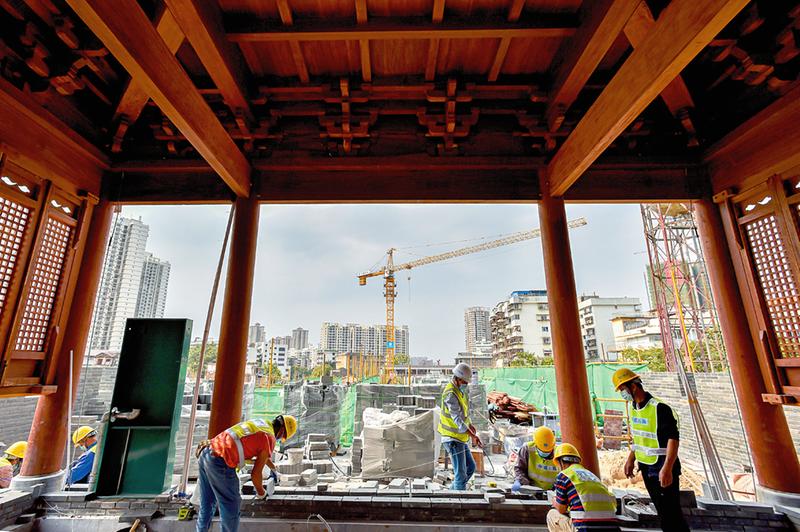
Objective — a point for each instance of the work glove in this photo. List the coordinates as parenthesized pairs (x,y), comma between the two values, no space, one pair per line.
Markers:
(515,488)
(262,497)
(274,476)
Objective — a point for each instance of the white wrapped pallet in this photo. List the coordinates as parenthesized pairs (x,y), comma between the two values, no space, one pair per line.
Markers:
(399,445)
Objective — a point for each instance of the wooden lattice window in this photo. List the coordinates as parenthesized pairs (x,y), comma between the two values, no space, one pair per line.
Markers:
(14,220)
(778,286)
(47,274)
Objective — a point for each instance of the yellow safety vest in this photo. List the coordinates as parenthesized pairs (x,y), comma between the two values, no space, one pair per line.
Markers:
(598,502)
(248,428)
(541,472)
(448,427)
(644,429)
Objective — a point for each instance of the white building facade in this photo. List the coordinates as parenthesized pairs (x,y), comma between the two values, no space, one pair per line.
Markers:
(299,338)
(152,299)
(521,324)
(476,327)
(595,314)
(370,339)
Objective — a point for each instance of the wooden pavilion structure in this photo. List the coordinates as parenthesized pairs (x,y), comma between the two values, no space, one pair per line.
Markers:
(346,101)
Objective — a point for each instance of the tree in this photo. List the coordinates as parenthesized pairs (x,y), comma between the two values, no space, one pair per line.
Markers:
(652,356)
(320,370)
(194,357)
(530,360)
(400,359)
(277,376)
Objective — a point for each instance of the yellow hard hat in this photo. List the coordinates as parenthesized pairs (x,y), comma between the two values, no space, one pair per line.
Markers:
(80,434)
(290,423)
(566,449)
(17,449)
(544,439)
(623,375)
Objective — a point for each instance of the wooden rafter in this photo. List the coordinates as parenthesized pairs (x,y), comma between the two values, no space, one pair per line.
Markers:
(578,57)
(287,19)
(502,49)
(201,22)
(684,28)
(134,98)
(393,30)
(363,44)
(433,44)
(129,35)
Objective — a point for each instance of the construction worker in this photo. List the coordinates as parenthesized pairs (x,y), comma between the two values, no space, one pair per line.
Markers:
(535,465)
(581,501)
(654,426)
(456,428)
(220,457)
(11,462)
(85,439)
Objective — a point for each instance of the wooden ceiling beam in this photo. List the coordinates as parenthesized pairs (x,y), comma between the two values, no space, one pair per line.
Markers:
(201,22)
(363,44)
(578,57)
(766,144)
(287,19)
(502,49)
(41,143)
(684,28)
(129,35)
(393,30)
(433,44)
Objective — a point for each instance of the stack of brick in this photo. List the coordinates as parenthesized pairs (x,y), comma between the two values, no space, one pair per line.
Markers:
(13,504)
(375,396)
(356,454)
(200,433)
(405,448)
(317,408)
(317,447)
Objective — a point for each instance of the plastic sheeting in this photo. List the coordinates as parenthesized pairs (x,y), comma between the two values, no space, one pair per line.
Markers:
(267,403)
(317,409)
(399,445)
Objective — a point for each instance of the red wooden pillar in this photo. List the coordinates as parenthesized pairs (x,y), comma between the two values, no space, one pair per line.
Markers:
(574,405)
(48,434)
(226,403)
(766,430)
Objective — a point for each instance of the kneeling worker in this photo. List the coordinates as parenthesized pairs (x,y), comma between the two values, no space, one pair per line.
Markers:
(84,438)
(582,502)
(219,459)
(456,428)
(11,462)
(535,465)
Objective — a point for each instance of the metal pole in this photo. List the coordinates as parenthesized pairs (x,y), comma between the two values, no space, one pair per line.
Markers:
(269,368)
(206,329)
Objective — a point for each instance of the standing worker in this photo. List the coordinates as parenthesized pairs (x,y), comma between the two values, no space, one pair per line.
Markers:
(535,466)
(654,426)
(85,439)
(11,462)
(582,503)
(220,457)
(456,428)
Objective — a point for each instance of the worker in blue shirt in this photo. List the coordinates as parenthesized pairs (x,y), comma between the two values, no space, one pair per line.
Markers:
(85,438)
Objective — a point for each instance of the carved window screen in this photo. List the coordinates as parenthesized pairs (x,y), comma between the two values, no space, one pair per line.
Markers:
(14,222)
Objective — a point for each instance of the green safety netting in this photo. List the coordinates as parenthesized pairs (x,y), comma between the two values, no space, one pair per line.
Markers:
(348,415)
(267,402)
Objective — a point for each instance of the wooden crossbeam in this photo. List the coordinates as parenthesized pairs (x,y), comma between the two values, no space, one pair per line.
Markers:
(684,28)
(577,59)
(43,144)
(201,22)
(129,35)
(766,144)
(256,31)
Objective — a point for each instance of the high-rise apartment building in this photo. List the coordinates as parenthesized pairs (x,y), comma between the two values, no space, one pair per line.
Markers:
(476,327)
(595,314)
(521,324)
(338,338)
(256,334)
(121,279)
(299,338)
(152,299)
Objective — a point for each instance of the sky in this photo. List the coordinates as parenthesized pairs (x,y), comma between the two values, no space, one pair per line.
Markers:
(309,256)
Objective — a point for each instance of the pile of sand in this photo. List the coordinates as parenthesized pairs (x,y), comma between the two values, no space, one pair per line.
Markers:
(612,471)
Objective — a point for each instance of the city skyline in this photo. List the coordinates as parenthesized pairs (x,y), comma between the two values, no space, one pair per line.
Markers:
(309,256)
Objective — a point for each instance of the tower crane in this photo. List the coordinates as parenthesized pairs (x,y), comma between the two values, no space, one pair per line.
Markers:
(389,269)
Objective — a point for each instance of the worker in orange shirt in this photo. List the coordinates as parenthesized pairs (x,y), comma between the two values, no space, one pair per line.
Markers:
(219,459)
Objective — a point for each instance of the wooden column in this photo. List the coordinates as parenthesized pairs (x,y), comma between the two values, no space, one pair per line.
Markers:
(49,428)
(574,406)
(766,430)
(226,403)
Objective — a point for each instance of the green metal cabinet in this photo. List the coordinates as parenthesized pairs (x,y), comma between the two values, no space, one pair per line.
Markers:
(137,451)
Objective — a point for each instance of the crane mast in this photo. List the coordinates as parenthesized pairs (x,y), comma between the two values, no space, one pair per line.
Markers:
(389,285)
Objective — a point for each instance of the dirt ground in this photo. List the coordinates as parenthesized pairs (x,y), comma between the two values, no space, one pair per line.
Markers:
(612,465)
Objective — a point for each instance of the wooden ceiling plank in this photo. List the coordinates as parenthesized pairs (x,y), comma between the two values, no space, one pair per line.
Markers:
(578,57)
(201,22)
(684,28)
(399,31)
(129,35)
(676,95)
(134,98)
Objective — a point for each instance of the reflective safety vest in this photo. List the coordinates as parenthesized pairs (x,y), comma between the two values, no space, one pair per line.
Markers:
(248,428)
(644,429)
(448,427)
(598,502)
(541,472)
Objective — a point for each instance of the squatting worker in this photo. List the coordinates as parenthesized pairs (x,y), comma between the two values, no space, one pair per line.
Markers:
(654,426)
(11,462)
(85,439)
(581,502)
(219,458)
(456,428)
(535,465)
